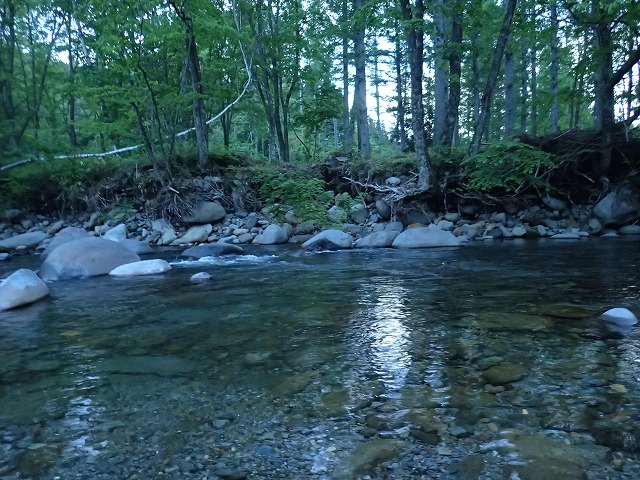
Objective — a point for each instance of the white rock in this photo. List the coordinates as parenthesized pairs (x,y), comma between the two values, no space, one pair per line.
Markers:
(445,225)
(28,240)
(336,214)
(619,316)
(565,236)
(272,235)
(143,267)
(381,239)
(329,240)
(518,231)
(630,230)
(196,234)
(117,233)
(423,237)
(20,288)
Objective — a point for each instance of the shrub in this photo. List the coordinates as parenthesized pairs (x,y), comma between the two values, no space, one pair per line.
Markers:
(293,190)
(508,166)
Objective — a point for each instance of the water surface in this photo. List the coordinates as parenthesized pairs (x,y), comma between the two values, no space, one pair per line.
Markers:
(291,365)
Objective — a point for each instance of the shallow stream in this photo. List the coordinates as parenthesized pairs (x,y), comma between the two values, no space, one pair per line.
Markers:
(482,362)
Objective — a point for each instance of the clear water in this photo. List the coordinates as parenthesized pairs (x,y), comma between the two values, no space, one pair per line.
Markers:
(286,362)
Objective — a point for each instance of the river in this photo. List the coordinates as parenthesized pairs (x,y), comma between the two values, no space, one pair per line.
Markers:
(487,361)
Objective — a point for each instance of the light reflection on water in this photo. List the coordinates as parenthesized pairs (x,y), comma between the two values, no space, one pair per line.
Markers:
(380,323)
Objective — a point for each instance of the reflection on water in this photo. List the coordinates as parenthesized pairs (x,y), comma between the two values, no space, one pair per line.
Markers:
(380,322)
(290,361)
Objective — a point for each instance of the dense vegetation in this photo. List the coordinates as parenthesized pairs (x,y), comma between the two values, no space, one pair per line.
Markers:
(448,87)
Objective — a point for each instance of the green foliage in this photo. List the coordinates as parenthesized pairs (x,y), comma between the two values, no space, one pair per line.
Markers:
(55,184)
(397,164)
(508,166)
(297,191)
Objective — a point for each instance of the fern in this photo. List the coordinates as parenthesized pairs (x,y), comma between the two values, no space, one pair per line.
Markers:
(508,166)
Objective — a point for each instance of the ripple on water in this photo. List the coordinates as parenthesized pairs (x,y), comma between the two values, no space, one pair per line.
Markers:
(371,363)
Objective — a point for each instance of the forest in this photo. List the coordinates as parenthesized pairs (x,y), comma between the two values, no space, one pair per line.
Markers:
(500,91)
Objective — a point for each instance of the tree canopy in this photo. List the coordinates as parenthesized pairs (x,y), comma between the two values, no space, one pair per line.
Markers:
(288,80)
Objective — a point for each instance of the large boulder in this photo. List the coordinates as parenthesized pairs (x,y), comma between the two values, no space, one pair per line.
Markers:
(143,267)
(197,234)
(272,235)
(422,237)
(212,250)
(85,257)
(27,240)
(619,207)
(206,212)
(377,240)
(329,240)
(21,288)
(65,235)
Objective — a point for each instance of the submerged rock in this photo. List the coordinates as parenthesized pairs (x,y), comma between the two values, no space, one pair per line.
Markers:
(21,288)
(212,250)
(200,277)
(504,373)
(367,456)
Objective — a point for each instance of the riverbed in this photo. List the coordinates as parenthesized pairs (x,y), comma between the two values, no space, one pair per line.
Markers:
(485,361)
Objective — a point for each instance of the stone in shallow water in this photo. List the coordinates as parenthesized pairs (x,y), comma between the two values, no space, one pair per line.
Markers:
(545,458)
(148,365)
(200,277)
(367,456)
(620,316)
(468,468)
(504,373)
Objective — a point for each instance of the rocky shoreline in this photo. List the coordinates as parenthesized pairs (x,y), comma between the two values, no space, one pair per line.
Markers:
(370,223)
(209,222)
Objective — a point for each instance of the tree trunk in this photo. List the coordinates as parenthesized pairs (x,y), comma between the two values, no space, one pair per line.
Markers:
(225,123)
(455,74)
(509,96)
(415,51)
(347,135)
(493,77)
(7,67)
(524,79)
(199,115)
(71,101)
(364,144)
(475,76)
(555,101)
(534,92)
(400,125)
(376,82)
(440,73)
